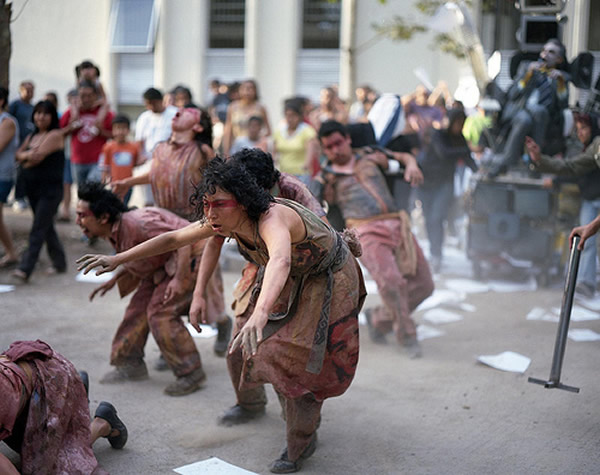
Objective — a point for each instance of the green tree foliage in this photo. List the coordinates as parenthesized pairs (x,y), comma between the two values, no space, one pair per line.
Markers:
(401,29)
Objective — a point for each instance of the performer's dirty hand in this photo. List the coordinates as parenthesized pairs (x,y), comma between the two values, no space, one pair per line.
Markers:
(198,312)
(103,288)
(100,261)
(120,188)
(250,336)
(175,289)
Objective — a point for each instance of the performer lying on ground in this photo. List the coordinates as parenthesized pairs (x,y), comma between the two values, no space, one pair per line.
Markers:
(44,413)
(302,336)
(163,289)
(356,184)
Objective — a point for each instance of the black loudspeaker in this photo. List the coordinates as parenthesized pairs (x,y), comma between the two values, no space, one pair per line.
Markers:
(491,198)
(582,69)
(503,226)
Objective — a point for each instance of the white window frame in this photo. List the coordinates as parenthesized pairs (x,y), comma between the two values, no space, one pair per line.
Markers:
(152,28)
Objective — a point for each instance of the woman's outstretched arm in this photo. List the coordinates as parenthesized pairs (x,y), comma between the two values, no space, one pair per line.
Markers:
(158,245)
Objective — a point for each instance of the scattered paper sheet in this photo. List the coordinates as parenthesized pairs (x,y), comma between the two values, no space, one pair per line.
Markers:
(540,314)
(506,286)
(506,361)
(467,307)
(579,314)
(212,466)
(440,315)
(207,331)
(467,285)
(581,334)
(92,278)
(441,296)
(592,304)
(6,288)
(425,331)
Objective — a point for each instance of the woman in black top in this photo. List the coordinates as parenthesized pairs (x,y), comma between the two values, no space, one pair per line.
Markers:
(42,157)
(437,160)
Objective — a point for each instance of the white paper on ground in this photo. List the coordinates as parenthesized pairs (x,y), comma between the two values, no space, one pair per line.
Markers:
(506,286)
(592,304)
(440,315)
(207,331)
(506,361)
(582,334)
(467,285)
(441,296)
(92,278)
(467,307)
(579,314)
(538,313)
(425,331)
(6,288)
(212,466)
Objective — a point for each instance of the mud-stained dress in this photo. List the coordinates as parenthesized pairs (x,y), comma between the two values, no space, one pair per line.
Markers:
(310,346)
(52,433)
(175,172)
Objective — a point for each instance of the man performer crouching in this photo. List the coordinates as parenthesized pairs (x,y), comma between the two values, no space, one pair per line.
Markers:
(164,284)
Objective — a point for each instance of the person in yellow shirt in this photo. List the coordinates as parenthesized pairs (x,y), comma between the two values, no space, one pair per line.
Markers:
(295,143)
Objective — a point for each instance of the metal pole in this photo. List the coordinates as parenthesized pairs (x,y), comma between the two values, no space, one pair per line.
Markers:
(563,324)
(565,312)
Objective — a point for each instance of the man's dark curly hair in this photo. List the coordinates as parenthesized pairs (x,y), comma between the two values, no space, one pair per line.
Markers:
(259,164)
(232,177)
(101,201)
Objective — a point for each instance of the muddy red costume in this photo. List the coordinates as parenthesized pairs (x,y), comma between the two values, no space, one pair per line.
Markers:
(391,254)
(147,310)
(175,171)
(52,433)
(308,356)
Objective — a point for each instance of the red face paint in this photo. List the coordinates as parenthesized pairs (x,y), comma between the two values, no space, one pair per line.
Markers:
(218,204)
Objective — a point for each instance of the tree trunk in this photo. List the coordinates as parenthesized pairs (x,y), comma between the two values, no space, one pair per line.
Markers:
(5,43)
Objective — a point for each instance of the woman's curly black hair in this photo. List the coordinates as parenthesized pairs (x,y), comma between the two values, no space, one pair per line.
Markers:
(259,164)
(232,177)
(101,201)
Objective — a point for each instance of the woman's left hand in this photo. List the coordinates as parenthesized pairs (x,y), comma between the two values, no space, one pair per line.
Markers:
(93,261)
(250,335)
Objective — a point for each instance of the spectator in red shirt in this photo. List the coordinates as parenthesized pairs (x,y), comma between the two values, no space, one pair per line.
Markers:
(89,133)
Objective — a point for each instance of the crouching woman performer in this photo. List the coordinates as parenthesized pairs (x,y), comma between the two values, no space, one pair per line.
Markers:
(302,336)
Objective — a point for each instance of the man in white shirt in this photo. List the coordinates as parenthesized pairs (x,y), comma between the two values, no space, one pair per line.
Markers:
(152,126)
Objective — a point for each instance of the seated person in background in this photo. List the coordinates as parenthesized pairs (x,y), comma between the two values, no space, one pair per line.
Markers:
(120,156)
(534,100)
(50,436)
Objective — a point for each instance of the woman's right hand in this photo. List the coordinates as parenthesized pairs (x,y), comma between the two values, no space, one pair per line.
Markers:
(198,312)
(100,261)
